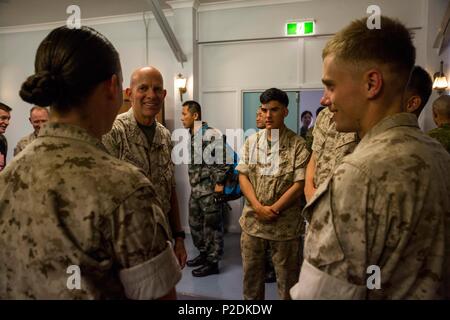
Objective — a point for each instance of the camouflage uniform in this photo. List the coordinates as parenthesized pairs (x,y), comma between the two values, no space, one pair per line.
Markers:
(388,205)
(127,142)
(65,201)
(442,134)
(329,146)
(24,142)
(205,215)
(282,235)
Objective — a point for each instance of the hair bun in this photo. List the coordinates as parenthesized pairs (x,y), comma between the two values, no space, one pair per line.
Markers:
(40,89)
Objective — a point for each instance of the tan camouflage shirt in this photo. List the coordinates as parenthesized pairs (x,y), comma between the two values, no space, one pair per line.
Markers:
(24,142)
(293,157)
(127,142)
(65,201)
(388,205)
(330,146)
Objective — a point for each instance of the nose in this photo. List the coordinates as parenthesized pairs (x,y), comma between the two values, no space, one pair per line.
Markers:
(325,101)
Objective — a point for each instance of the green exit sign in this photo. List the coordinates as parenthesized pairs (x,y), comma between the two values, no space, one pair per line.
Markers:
(302,28)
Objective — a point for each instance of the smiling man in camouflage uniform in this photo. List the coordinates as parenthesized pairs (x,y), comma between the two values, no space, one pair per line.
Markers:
(138,138)
(387,204)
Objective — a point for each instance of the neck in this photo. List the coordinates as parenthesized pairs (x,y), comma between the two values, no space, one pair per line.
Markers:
(377,111)
(146,121)
(197,125)
(79,120)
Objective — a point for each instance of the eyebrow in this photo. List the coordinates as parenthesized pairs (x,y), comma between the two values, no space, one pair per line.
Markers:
(327,82)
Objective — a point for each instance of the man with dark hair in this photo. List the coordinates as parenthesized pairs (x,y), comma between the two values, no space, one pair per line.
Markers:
(38,116)
(384,209)
(418,91)
(5,116)
(205,177)
(270,271)
(138,138)
(271,174)
(441,116)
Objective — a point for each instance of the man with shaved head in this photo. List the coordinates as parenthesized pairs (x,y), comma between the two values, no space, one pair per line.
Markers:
(38,116)
(441,116)
(137,137)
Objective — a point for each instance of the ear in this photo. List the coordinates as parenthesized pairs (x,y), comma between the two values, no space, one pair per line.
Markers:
(165,92)
(286,111)
(113,86)
(30,120)
(413,104)
(373,82)
(195,116)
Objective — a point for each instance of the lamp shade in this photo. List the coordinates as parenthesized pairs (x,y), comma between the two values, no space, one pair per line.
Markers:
(180,82)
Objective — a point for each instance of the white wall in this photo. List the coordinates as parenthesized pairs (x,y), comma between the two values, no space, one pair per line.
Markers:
(225,69)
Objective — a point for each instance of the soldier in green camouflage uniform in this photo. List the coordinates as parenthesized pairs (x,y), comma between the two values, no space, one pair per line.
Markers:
(66,204)
(38,117)
(386,206)
(441,116)
(138,138)
(205,215)
(271,215)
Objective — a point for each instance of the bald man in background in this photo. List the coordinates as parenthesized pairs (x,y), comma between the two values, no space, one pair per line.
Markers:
(441,116)
(38,116)
(138,138)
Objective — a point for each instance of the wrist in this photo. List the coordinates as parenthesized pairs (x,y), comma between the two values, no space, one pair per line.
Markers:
(179,235)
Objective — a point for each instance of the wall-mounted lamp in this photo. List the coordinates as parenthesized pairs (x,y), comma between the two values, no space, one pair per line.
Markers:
(440,83)
(180,83)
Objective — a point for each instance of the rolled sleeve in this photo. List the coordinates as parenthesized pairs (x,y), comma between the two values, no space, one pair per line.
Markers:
(320,131)
(149,268)
(152,279)
(242,166)
(301,161)
(299,174)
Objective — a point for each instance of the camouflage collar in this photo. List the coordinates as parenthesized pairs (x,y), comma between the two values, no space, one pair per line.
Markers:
(283,138)
(397,120)
(63,130)
(136,132)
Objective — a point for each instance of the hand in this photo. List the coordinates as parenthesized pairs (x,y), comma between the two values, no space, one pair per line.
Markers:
(266,213)
(309,192)
(180,252)
(218,188)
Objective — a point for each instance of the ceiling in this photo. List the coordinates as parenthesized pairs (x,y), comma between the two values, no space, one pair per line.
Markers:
(24,12)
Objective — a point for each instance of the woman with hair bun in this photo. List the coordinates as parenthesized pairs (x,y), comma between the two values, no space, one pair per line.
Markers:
(75,222)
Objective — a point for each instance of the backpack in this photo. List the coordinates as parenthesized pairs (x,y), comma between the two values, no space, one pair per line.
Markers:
(232,189)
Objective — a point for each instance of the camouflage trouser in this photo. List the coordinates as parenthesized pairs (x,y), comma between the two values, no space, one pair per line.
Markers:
(206,223)
(286,258)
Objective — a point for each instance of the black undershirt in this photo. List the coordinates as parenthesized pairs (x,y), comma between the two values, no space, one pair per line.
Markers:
(149,131)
